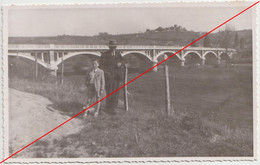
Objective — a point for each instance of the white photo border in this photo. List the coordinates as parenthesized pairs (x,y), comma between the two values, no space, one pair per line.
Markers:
(124,160)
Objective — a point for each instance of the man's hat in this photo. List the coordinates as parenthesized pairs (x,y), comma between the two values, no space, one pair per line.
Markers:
(112,43)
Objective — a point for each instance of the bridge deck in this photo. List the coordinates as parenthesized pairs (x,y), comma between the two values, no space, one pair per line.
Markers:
(101,47)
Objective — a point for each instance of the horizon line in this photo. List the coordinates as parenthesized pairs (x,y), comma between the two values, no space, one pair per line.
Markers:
(59,35)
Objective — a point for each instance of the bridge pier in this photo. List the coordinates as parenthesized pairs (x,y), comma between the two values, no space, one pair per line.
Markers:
(51,55)
(42,56)
(52,69)
(219,61)
(53,72)
(155,68)
(182,62)
(203,61)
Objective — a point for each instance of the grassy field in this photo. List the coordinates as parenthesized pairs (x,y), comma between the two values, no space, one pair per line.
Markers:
(212,115)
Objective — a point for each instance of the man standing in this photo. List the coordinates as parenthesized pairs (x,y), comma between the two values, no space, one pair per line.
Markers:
(111,63)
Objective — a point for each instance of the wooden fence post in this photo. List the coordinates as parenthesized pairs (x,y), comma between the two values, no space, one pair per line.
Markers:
(125,91)
(167,86)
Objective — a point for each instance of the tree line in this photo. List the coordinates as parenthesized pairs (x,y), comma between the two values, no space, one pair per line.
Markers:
(226,40)
(171,28)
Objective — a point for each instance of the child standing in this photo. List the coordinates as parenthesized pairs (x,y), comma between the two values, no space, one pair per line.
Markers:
(95,82)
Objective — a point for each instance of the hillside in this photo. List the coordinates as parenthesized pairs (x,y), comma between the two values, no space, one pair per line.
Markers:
(152,38)
(174,38)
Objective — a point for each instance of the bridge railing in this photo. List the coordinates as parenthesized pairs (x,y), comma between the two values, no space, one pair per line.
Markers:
(27,46)
(52,47)
(80,46)
(102,47)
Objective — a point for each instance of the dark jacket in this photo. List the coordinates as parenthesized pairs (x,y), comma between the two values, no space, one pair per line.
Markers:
(108,63)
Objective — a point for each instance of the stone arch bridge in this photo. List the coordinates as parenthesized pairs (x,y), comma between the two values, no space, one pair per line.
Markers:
(50,56)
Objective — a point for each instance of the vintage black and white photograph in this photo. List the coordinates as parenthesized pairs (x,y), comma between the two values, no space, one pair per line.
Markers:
(61,60)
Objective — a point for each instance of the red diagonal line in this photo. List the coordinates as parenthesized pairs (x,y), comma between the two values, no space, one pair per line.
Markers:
(128,82)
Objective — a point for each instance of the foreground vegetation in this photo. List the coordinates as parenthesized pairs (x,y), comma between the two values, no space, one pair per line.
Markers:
(212,114)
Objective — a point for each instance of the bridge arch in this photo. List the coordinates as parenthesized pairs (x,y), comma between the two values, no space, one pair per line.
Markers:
(192,57)
(189,52)
(211,58)
(136,52)
(45,65)
(208,53)
(223,55)
(65,57)
(138,62)
(165,52)
(174,61)
(231,54)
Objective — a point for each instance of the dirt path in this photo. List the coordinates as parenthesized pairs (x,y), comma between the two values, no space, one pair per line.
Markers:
(29,119)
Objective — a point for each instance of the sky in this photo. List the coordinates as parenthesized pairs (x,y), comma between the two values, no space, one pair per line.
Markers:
(120,20)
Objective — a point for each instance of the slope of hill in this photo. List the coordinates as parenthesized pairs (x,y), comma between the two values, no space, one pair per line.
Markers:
(66,40)
(152,38)
(30,118)
(172,38)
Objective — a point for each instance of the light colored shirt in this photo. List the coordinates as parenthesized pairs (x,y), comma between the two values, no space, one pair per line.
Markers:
(92,76)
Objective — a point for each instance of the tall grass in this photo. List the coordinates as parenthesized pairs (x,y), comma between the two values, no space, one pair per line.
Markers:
(66,97)
(211,116)
(129,135)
